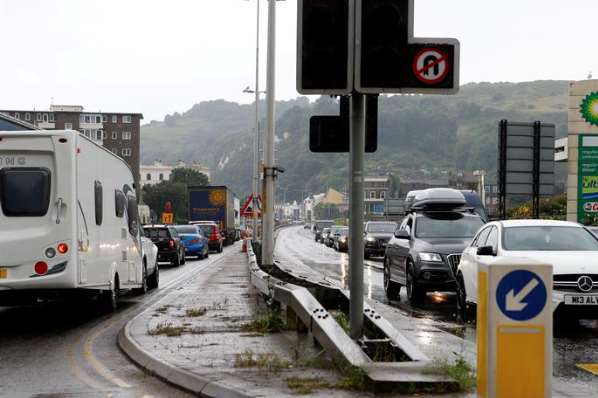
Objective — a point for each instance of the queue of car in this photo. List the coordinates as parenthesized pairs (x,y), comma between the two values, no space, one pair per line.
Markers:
(439,244)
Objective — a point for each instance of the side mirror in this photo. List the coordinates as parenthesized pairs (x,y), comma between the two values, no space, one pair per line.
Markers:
(402,234)
(486,251)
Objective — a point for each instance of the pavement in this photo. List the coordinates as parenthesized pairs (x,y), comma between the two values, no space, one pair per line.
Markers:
(209,310)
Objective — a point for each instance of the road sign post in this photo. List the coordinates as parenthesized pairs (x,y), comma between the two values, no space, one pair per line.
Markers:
(514,329)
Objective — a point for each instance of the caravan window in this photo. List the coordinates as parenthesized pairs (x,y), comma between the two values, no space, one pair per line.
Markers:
(120,201)
(99,202)
(25,192)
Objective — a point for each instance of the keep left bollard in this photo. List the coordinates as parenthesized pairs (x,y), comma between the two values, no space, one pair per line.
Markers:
(514,329)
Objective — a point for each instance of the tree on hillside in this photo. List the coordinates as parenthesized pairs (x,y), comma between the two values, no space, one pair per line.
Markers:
(189,177)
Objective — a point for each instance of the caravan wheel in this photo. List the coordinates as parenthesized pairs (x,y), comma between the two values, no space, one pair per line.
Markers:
(154,279)
(109,298)
(144,285)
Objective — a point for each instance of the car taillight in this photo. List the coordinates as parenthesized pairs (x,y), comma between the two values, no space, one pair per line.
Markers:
(214,236)
(171,244)
(195,240)
(40,268)
(62,248)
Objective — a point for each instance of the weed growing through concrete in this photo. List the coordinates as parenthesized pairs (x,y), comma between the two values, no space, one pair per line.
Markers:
(461,371)
(342,321)
(166,328)
(266,361)
(195,312)
(355,378)
(269,323)
(163,309)
(305,386)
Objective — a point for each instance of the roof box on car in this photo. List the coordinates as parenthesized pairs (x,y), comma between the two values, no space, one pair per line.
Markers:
(438,199)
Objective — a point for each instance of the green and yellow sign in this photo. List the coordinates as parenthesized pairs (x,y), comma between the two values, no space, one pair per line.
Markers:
(587,185)
(589,108)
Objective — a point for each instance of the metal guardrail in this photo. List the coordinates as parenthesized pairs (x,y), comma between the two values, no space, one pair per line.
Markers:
(414,367)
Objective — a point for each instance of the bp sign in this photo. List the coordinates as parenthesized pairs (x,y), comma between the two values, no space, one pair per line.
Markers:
(589,108)
(587,185)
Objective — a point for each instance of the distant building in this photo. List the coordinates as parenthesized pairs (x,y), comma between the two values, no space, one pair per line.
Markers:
(158,172)
(119,132)
(376,190)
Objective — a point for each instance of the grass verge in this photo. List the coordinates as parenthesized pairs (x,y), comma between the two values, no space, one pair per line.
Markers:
(167,329)
(269,323)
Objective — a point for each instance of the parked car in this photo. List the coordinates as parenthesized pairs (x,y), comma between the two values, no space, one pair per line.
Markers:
(341,240)
(324,235)
(170,246)
(425,251)
(376,236)
(571,249)
(196,244)
(212,232)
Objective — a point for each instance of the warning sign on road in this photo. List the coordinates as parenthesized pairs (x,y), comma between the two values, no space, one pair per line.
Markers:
(431,66)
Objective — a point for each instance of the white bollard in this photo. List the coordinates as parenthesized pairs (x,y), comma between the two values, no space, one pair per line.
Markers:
(514,329)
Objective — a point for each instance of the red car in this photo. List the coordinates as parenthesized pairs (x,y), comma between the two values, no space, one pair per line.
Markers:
(211,230)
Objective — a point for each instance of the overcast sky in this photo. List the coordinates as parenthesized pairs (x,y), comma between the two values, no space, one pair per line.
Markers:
(160,57)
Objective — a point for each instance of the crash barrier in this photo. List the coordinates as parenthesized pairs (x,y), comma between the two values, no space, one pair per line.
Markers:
(389,359)
(514,328)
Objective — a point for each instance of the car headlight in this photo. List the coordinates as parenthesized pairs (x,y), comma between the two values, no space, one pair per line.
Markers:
(371,239)
(430,257)
(343,239)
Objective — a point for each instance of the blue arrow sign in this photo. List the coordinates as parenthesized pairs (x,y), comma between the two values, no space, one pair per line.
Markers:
(521,295)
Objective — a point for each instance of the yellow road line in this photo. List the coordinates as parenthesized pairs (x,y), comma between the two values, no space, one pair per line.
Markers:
(76,369)
(589,367)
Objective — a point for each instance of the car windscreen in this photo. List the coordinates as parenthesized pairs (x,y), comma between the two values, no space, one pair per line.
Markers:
(447,225)
(381,227)
(156,233)
(323,224)
(186,229)
(343,232)
(25,192)
(548,238)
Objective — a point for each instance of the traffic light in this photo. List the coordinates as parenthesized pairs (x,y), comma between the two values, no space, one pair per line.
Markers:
(324,49)
(331,134)
(383,56)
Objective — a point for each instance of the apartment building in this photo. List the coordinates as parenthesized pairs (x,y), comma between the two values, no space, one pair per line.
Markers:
(117,131)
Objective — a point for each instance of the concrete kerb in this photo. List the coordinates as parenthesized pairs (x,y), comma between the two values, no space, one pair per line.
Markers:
(169,373)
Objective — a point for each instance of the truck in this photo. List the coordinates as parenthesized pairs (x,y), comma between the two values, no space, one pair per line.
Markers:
(216,204)
(69,222)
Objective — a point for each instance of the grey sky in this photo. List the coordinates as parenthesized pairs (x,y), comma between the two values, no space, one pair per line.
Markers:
(158,57)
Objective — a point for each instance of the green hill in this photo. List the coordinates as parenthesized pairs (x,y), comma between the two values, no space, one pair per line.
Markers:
(431,133)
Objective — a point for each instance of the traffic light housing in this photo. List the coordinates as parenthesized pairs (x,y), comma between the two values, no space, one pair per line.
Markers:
(324,48)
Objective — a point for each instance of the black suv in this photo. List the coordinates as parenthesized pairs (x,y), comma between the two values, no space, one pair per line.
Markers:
(170,246)
(425,251)
(376,236)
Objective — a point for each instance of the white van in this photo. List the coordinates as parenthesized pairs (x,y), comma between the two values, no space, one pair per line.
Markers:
(68,220)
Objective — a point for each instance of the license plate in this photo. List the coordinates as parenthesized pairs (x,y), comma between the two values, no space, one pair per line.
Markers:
(3,273)
(581,299)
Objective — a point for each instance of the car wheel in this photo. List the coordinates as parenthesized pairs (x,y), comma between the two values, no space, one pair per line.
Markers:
(183,259)
(465,311)
(415,294)
(392,289)
(154,279)
(109,298)
(177,260)
(144,286)
(366,255)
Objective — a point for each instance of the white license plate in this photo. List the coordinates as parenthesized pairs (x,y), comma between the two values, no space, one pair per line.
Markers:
(581,299)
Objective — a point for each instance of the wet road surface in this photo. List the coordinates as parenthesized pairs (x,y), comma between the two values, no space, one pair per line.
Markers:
(573,344)
(70,350)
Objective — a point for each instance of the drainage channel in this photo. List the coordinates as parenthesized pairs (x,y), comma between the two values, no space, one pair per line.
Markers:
(317,306)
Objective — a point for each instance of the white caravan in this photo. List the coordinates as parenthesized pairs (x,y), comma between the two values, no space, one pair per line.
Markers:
(68,220)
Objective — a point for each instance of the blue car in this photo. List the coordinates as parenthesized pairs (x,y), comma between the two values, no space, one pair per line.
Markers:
(196,244)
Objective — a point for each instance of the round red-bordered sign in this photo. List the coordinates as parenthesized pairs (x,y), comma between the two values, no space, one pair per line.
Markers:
(431,66)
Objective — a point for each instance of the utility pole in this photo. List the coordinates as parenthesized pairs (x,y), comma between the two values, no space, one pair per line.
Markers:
(269,168)
(357,149)
(256,155)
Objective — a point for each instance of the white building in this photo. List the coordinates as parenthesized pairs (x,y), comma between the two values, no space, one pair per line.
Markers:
(309,205)
(158,172)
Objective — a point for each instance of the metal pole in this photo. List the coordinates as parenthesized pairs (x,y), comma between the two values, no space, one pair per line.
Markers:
(269,172)
(256,161)
(356,215)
